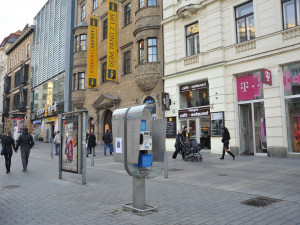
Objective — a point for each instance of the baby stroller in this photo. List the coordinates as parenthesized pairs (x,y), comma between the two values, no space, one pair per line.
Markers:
(192,152)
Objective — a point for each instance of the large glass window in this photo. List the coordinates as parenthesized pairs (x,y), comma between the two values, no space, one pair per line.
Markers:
(127,14)
(192,39)
(152,49)
(127,62)
(81,78)
(244,18)
(291,13)
(141,51)
(194,98)
(291,83)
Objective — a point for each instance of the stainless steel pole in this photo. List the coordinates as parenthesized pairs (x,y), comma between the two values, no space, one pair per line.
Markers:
(139,193)
(84,121)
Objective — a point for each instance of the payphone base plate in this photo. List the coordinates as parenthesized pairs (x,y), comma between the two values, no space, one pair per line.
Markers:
(140,212)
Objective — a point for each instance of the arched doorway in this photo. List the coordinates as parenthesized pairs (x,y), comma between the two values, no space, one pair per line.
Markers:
(107,121)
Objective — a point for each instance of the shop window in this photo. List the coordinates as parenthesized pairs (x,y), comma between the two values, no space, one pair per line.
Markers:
(194,95)
(152,49)
(141,51)
(192,39)
(291,79)
(291,13)
(81,78)
(127,14)
(244,19)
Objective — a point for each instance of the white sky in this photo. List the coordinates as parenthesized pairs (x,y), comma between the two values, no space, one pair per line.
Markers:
(15,14)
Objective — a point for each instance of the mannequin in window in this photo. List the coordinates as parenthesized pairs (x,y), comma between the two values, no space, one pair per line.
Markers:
(297,137)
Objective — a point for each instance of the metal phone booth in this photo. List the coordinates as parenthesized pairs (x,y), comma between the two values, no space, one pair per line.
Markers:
(140,142)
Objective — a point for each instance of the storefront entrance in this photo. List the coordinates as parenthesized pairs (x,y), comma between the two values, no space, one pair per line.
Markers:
(107,121)
(198,129)
(252,128)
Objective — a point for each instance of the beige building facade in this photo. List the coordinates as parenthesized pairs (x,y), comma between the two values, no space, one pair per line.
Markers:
(17,84)
(139,61)
(237,60)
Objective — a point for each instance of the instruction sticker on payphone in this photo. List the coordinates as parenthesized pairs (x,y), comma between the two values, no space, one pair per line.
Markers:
(145,159)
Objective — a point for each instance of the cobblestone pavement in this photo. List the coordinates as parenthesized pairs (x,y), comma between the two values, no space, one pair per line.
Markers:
(208,192)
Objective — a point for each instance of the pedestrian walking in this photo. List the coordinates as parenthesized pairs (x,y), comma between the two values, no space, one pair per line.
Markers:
(184,134)
(107,138)
(178,144)
(57,140)
(225,140)
(26,142)
(8,144)
(92,143)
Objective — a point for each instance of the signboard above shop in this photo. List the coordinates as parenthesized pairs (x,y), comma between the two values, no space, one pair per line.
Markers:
(192,87)
(193,112)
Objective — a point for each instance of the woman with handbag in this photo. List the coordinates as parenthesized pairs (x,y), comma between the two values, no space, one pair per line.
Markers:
(8,144)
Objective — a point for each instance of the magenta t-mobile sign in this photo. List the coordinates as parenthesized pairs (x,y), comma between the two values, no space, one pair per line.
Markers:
(248,87)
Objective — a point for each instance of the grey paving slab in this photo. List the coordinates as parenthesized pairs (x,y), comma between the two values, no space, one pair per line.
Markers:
(208,192)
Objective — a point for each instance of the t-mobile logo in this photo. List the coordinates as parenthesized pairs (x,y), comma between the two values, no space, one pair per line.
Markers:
(244,86)
(267,75)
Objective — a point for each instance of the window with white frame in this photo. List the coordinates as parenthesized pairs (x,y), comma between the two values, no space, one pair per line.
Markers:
(290,13)
(83,42)
(81,78)
(192,39)
(152,49)
(152,3)
(244,18)
(141,4)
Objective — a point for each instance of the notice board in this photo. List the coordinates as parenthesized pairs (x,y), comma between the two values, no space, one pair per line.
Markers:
(171,127)
(217,123)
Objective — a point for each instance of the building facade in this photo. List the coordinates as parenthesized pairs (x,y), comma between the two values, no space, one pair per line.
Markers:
(5,44)
(17,84)
(234,63)
(139,60)
(51,67)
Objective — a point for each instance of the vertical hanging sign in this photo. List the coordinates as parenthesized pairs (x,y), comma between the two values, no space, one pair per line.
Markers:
(112,36)
(93,52)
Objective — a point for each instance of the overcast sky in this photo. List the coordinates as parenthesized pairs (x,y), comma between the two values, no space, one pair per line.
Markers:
(15,14)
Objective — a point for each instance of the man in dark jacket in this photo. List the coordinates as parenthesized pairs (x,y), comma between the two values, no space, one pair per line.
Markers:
(26,142)
(107,138)
(92,143)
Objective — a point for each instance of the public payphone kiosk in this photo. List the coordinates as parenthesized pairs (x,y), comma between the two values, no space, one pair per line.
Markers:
(140,143)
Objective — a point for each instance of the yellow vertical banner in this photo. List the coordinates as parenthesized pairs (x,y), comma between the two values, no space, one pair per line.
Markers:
(112,36)
(93,52)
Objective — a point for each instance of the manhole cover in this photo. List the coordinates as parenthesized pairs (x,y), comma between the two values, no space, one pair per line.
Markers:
(175,170)
(10,186)
(260,201)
